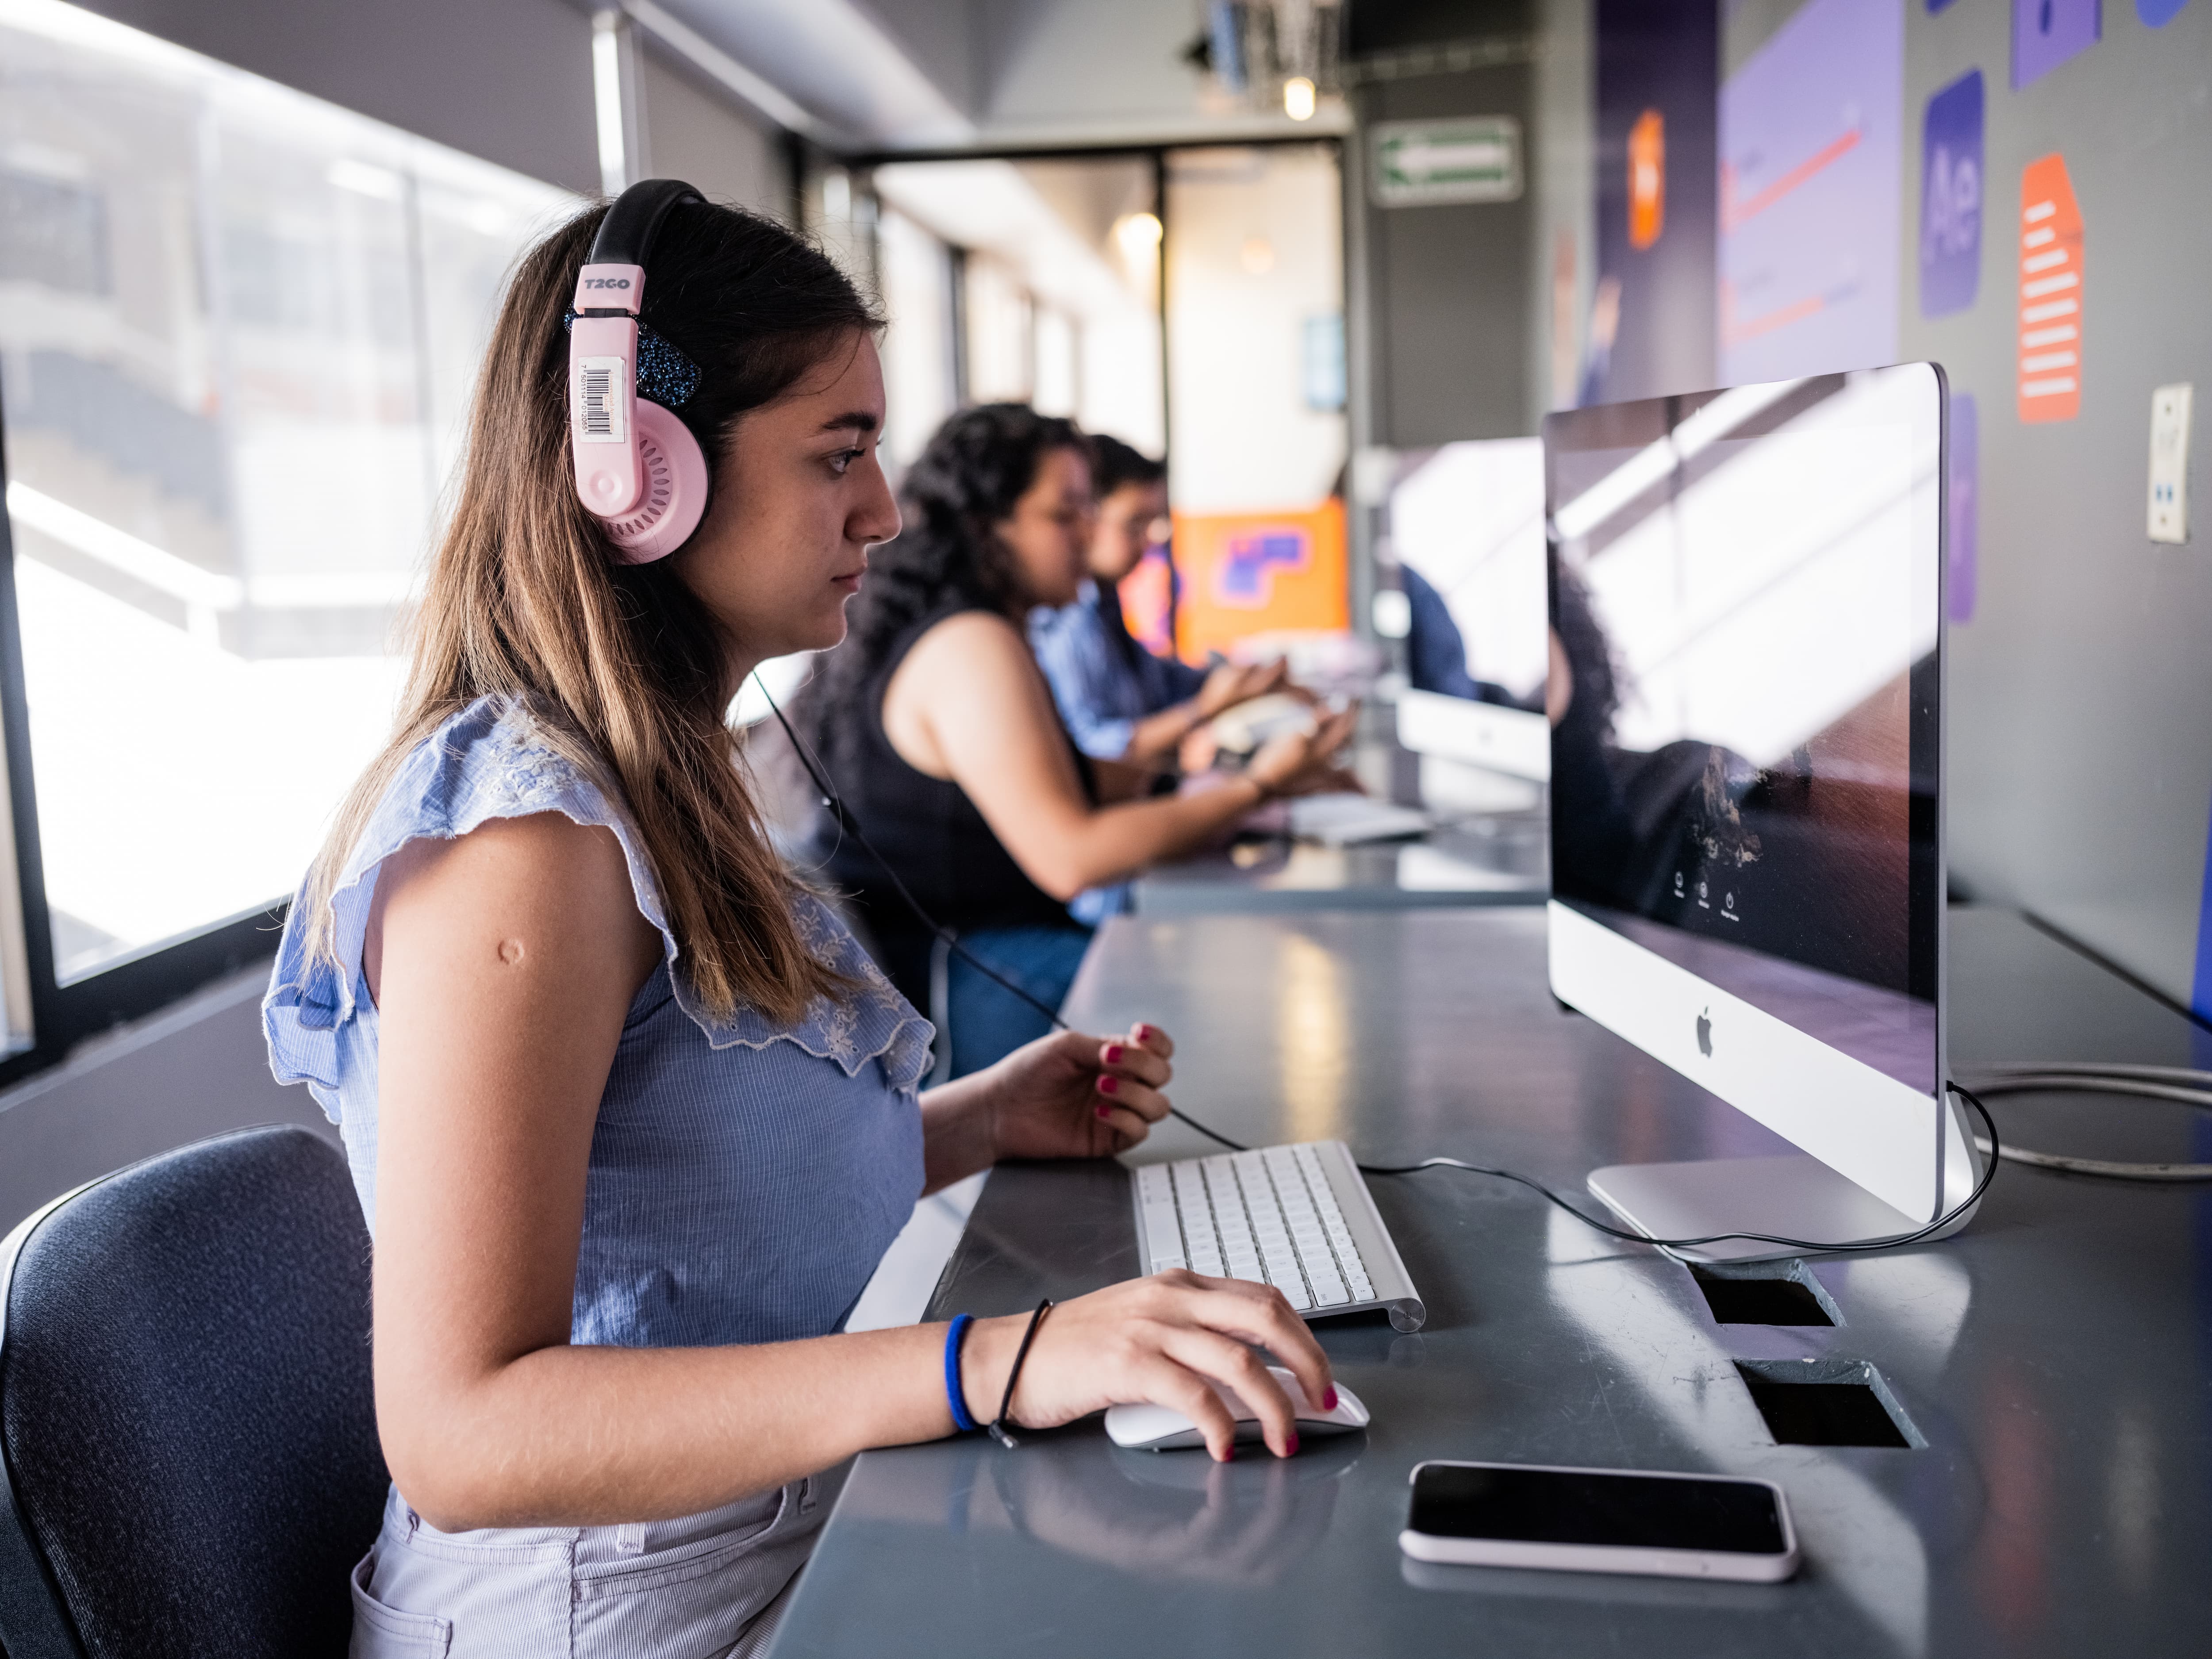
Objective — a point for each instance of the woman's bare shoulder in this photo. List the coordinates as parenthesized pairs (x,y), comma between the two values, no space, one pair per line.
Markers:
(971,656)
(564,883)
(985,634)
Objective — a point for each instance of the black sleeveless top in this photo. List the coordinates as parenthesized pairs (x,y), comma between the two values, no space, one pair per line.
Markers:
(930,832)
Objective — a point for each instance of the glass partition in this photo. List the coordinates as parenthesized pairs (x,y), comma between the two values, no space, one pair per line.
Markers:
(238,328)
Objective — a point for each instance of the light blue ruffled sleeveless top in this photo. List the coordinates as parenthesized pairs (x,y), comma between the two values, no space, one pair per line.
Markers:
(745,1176)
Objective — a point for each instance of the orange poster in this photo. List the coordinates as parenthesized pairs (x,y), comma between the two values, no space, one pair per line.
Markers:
(1253,573)
(2050,344)
(1647,179)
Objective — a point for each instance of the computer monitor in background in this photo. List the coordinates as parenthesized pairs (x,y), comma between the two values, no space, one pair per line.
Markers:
(1747,806)
(1466,528)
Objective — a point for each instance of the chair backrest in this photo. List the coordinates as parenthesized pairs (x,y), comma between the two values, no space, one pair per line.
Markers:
(187,1428)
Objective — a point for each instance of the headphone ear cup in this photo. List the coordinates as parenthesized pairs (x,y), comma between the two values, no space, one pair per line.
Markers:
(675,498)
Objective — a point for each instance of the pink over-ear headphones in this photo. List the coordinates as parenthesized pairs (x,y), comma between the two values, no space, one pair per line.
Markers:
(639,470)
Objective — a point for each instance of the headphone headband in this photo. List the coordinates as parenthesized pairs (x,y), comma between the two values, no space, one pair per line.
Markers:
(626,234)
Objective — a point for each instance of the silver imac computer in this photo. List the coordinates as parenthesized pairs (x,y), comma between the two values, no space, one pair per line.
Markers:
(1747,803)
(1466,529)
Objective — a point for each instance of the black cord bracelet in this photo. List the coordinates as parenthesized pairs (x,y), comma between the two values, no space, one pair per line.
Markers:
(1006,1401)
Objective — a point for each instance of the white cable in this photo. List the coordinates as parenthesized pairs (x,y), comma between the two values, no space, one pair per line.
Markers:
(2176,1083)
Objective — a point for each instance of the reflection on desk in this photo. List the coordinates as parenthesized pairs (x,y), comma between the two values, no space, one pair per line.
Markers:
(1246,1524)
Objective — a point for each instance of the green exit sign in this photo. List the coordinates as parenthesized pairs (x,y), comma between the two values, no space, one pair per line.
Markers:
(1429,163)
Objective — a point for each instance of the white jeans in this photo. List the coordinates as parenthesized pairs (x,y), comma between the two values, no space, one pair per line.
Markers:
(698,1588)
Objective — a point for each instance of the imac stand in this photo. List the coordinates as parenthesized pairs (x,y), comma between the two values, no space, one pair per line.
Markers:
(1792,1196)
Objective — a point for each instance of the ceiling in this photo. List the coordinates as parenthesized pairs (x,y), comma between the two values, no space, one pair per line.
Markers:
(946,74)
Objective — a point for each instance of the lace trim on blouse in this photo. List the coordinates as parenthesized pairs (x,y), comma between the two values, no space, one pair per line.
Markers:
(491,761)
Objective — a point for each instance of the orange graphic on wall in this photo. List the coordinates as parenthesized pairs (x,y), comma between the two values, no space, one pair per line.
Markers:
(1647,179)
(1148,603)
(1253,573)
(2049,343)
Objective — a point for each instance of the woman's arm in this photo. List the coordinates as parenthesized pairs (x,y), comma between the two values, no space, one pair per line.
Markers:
(969,704)
(503,965)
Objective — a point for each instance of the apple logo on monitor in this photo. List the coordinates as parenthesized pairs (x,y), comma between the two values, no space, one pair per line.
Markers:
(1705,1034)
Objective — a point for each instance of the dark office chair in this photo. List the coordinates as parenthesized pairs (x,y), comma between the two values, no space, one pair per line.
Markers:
(187,1433)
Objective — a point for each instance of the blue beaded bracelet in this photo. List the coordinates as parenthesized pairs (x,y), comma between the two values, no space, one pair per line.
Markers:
(953,1394)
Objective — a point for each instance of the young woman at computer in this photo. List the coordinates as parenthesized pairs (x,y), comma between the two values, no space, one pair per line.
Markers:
(632,1116)
(942,733)
(1121,701)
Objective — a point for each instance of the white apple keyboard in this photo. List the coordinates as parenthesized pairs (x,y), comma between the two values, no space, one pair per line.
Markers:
(1348,820)
(1161,1428)
(1298,1217)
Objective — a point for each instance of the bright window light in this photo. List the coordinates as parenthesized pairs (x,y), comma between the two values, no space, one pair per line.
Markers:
(607,100)
(363,179)
(242,329)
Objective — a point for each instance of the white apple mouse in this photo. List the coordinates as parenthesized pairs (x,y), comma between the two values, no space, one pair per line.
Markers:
(1162,1428)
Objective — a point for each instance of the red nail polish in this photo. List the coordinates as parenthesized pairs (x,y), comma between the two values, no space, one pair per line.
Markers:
(1112,1054)
(1109,1085)
(1291,1447)
(1105,1111)
(1144,1034)
(1329,1400)
(1230,1456)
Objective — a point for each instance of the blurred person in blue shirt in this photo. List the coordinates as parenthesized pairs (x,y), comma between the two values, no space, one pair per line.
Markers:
(1436,653)
(1121,701)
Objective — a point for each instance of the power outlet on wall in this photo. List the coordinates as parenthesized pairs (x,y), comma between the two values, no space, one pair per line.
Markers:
(2169,463)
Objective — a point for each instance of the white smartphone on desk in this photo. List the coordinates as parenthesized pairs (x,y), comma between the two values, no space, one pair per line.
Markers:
(1527,1514)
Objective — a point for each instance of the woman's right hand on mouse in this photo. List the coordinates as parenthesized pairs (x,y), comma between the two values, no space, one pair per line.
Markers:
(1302,762)
(1154,1341)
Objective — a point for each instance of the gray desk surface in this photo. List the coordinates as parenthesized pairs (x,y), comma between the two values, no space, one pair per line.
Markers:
(1482,861)
(2056,1358)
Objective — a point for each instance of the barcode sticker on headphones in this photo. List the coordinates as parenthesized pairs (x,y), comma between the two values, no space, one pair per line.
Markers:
(598,409)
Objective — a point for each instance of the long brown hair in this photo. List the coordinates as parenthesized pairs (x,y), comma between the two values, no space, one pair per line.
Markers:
(622,665)
(960,488)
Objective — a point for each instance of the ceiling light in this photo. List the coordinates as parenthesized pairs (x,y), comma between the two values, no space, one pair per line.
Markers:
(1138,234)
(1298,98)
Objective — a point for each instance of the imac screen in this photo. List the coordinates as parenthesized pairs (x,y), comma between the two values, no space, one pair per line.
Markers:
(1744,690)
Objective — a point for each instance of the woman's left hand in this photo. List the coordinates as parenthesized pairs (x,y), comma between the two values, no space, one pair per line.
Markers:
(1073,1095)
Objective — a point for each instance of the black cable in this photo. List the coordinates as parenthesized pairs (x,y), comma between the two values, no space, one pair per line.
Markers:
(850,826)
(847,823)
(1965,1204)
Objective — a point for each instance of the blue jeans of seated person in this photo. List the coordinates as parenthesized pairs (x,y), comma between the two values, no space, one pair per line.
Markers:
(989,1022)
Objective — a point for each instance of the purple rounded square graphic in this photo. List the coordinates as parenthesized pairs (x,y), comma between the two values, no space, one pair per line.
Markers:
(1963,518)
(2047,33)
(1951,198)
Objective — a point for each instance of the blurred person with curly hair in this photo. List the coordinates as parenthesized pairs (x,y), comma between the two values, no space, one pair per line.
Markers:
(941,732)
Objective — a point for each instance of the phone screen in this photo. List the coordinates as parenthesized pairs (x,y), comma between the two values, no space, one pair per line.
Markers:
(1580,1506)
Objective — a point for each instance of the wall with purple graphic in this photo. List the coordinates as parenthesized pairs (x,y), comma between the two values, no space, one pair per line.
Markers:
(2047,33)
(1951,195)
